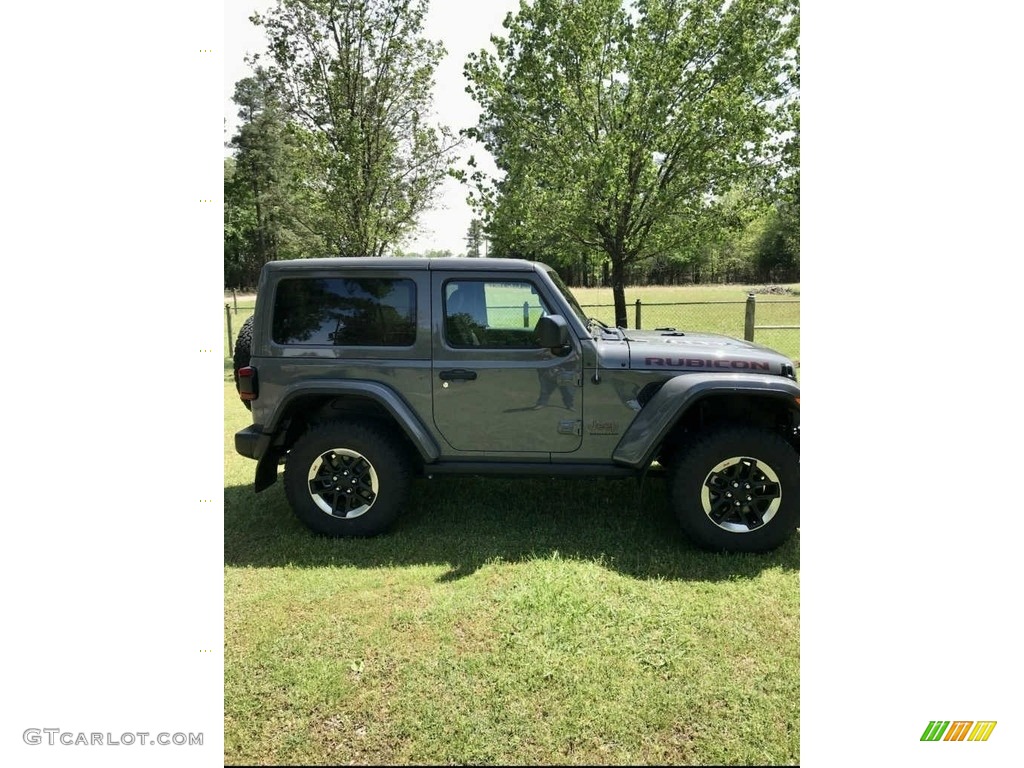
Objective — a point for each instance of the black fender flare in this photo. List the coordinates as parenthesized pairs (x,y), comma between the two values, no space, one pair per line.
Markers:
(387,398)
(677,395)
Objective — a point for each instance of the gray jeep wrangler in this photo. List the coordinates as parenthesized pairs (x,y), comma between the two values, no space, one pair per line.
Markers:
(363,373)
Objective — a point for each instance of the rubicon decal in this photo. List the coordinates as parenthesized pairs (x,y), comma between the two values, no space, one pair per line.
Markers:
(958,730)
(699,362)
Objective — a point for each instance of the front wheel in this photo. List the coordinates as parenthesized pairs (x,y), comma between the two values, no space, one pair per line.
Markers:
(346,479)
(737,490)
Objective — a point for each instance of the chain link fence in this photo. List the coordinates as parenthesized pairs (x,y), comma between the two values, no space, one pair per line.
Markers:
(769,321)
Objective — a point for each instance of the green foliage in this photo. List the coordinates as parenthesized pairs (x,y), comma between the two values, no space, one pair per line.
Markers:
(617,130)
(474,238)
(240,259)
(355,79)
(775,254)
(264,198)
(430,253)
(757,241)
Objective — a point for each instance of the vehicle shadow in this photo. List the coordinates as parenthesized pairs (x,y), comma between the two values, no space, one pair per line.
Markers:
(462,524)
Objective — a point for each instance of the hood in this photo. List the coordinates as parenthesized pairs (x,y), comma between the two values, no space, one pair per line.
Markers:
(677,351)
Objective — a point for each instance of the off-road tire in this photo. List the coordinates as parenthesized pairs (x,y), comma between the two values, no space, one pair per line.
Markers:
(355,468)
(736,489)
(243,352)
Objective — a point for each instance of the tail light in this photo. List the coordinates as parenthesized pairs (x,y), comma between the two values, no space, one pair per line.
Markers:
(248,386)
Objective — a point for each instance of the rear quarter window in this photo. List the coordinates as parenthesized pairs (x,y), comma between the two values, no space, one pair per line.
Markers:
(340,311)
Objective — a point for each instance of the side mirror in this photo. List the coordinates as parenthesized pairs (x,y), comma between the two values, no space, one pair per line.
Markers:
(552,331)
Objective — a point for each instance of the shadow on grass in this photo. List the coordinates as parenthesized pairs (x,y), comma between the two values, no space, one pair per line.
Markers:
(464,523)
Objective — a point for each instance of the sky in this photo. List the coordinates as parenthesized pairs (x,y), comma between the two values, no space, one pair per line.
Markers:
(463,26)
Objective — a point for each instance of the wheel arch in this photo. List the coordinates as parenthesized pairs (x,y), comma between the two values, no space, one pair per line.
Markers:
(313,403)
(696,402)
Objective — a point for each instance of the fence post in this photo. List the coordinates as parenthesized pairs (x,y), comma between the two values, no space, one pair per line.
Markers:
(526,314)
(748,323)
(235,297)
(638,314)
(227,314)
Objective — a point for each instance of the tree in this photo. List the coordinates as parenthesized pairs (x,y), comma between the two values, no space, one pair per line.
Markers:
(789,187)
(356,78)
(430,253)
(474,237)
(755,240)
(263,196)
(240,258)
(616,129)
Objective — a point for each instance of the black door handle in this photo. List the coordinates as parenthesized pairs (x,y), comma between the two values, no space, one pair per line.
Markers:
(458,374)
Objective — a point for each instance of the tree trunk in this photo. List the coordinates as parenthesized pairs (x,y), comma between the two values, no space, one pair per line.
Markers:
(619,289)
(261,242)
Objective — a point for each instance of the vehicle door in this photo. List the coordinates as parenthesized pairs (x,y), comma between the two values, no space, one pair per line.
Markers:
(494,388)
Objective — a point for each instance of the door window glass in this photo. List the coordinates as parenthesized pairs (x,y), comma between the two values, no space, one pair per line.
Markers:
(492,313)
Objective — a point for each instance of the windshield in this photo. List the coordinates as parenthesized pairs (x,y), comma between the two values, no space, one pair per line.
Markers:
(568,297)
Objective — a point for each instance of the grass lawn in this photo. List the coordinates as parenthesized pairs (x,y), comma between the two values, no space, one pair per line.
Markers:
(502,622)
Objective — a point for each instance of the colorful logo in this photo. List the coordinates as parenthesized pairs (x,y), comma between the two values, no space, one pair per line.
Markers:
(958,730)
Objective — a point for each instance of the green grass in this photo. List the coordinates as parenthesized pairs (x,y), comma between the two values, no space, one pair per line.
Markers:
(502,622)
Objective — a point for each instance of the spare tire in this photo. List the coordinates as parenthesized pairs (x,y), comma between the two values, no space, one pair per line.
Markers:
(243,352)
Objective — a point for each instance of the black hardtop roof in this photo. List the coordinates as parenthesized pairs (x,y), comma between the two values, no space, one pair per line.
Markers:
(463,263)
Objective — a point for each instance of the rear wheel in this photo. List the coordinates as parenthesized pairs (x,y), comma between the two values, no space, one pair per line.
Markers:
(347,478)
(737,490)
